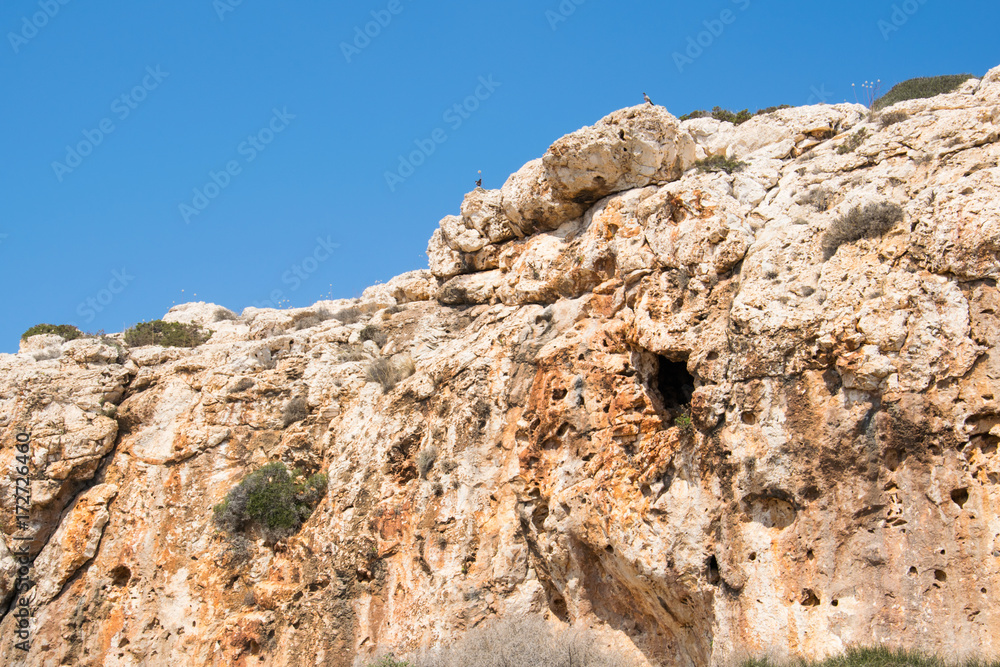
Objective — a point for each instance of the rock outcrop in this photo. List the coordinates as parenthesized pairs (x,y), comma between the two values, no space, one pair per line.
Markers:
(653,405)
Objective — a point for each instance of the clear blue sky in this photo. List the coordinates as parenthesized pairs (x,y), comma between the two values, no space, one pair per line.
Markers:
(184,86)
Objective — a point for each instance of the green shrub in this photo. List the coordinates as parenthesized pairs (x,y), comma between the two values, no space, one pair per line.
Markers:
(374,334)
(67,331)
(720,163)
(869,221)
(876,656)
(270,500)
(387,373)
(389,661)
(718,113)
(683,420)
(921,87)
(166,334)
(767,110)
(853,142)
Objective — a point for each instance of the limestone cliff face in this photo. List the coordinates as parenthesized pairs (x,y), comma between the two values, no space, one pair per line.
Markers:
(658,409)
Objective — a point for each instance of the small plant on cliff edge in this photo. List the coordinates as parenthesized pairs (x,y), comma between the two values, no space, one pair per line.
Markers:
(719,163)
(853,142)
(389,373)
(271,500)
(425,460)
(869,221)
(166,334)
(683,420)
(67,331)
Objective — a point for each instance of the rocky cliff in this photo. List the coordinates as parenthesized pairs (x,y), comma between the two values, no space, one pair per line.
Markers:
(649,399)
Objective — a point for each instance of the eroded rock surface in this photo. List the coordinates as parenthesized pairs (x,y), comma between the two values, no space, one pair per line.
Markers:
(656,409)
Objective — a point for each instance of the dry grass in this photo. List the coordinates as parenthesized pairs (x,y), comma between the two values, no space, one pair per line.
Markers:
(877,656)
(861,222)
(519,642)
(388,373)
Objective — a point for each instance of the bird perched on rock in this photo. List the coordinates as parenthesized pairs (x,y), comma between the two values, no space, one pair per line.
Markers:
(479,183)
(646,97)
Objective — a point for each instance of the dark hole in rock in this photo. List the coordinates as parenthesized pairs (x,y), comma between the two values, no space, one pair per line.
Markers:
(753,556)
(960,497)
(809,598)
(610,549)
(713,570)
(121,575)
(712,356)
(834,603)
(940,575)
(558,394)
(912,571)
(674,383)
(748,418)
(810,555)
(558,607)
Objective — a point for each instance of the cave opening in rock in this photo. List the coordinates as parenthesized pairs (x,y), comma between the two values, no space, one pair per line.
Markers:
(675,384)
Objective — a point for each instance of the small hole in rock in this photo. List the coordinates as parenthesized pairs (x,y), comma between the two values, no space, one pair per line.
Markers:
(833,603)
(940,575)
(748,418)
(810,555)
(809,598)
(753,556)
(960,497)
(713,570)
(610,549)
(912,571)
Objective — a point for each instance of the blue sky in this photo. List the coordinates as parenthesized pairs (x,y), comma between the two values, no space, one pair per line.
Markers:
(161,152)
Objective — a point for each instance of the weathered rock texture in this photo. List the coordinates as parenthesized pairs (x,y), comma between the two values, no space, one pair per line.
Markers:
(656,409)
